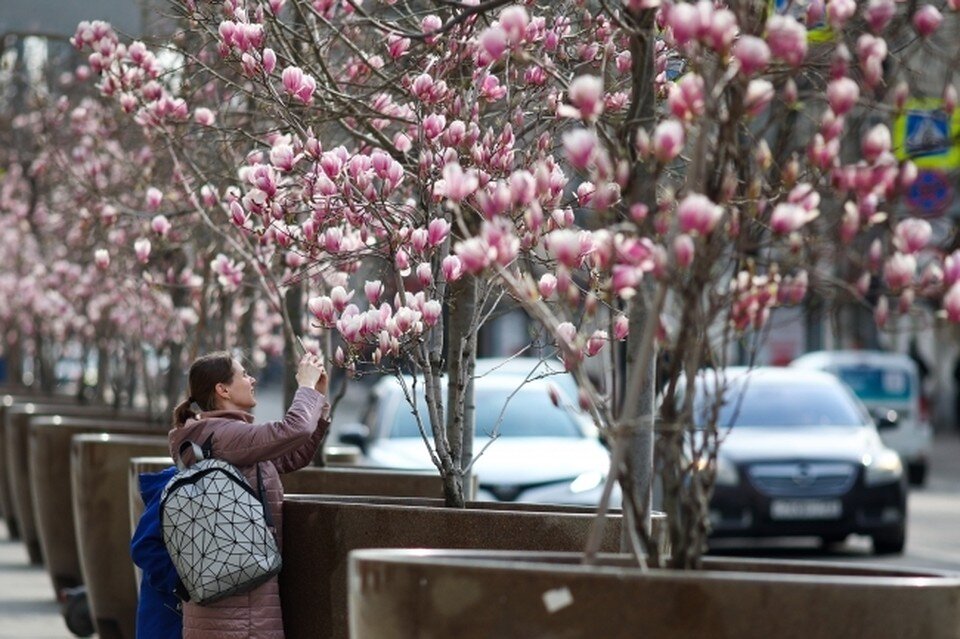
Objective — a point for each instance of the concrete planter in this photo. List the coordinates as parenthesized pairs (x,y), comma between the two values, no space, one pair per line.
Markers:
(16,428)
(99,467)
(396,594)
(6,499)
(50,440)
(319,532)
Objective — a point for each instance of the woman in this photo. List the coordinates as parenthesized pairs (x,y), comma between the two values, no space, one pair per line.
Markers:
(224,393)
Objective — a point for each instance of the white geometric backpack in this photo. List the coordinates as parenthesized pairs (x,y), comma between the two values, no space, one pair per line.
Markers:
(216,528)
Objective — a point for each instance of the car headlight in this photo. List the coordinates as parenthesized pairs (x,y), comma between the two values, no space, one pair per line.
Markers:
(587,482)
(882,468)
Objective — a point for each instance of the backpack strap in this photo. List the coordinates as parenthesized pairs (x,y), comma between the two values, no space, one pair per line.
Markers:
(267,516)
(198,453)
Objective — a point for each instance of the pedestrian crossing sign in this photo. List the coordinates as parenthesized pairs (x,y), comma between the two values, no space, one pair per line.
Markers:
(927,135)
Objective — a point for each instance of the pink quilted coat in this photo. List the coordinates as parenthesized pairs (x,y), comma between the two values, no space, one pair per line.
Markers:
(280,447)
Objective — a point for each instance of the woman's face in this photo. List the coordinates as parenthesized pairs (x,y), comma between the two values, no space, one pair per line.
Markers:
(239,392)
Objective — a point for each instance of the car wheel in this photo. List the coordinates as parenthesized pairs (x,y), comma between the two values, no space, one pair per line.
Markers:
(890,543)
(917,473)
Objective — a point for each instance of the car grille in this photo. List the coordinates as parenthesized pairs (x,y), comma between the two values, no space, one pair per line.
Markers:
(803,478)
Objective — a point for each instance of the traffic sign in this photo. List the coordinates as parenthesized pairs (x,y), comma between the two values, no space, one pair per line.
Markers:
(927,135)
(930,194)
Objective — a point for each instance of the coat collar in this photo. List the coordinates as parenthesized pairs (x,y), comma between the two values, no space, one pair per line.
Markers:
(239,415)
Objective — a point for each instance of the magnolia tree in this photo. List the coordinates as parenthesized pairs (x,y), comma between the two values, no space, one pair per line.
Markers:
(641,178)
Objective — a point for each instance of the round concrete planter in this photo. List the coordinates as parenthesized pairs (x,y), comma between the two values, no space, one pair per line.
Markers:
(16,430)
(99,467)
(50,439)
(401,594)
(6,499)
(319,532)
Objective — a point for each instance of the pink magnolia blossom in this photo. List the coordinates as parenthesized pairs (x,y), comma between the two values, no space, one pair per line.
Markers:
(437,231)
(624,280)
(951,268)
(580,145)
(452,268)
(596,342)
(322,308)
(373,289)
(684,22)
(433,125)
(402,261)
(899,270)
(876,142)
(457,184)
(514,20)
(842,95)
(586,94)
(758,96)
(424,274)
(871,51)
(879,13)
(668,140)
(299,84)
(282,157)
(881,313)
(397,45)
(567,334)
(203,116)
(475,254)
(683,251)
(697,214)
(927,20)
(949,98)
(951,303)
(686,97)
(431,312)
(493,43)
(787,39)
(621,327)
(154,198)
(839,12)
(752,53)
(269,60)
(160,225)
(418,240)
(340,297)
(142,249)
(547,285)
(566,246)
(102,259)
(912,235)
(721,27)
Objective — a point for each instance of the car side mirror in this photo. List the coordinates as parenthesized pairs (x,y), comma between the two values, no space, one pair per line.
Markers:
(355,435)
(887,419)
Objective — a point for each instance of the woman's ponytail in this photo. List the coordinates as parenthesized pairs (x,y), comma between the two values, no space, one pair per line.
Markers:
(182,413)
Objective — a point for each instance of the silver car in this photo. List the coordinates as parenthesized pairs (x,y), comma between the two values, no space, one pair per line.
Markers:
(541,451)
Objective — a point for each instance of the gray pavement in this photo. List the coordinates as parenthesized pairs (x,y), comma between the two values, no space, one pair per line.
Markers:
(27,606)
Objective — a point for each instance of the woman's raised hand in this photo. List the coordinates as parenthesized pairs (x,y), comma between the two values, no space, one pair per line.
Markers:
(323,383)
(310,371)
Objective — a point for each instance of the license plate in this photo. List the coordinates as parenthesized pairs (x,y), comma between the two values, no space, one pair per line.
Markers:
(806,509)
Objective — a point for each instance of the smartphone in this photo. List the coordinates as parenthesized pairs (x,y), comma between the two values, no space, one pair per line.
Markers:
(303,349)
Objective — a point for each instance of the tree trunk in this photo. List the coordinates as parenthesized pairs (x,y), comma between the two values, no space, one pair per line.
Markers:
(461,361)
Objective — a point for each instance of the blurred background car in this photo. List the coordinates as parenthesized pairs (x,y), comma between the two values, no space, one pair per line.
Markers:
(801,456)
(889,385)
(543,452)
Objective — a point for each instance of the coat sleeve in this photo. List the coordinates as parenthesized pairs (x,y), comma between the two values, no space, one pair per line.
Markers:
(304,455)
(245,444)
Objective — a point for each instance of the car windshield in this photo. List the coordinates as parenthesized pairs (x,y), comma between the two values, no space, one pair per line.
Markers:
(762,403)
(529,413)
(876,384)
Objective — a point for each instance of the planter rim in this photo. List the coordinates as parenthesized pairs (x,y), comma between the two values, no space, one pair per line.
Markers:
(568,563)
(382,502)
(122,438)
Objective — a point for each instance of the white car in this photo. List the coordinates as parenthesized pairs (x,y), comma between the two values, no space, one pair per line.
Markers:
(889,385)
(542,452)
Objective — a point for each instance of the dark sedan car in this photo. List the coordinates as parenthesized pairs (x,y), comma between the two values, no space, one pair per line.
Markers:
(802,458)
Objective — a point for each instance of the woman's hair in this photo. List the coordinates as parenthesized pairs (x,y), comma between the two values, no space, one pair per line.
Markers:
(205,373)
